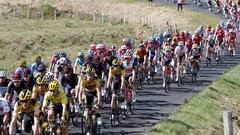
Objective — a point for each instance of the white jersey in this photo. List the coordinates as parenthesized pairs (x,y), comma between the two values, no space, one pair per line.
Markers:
(180,51)
(4,107)
(128,68)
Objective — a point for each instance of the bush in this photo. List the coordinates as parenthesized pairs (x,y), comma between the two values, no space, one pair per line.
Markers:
(47,9)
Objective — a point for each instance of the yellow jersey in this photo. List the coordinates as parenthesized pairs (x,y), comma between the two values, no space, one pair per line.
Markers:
(90,86)
(32,110)
(36,91)
(117,74)
(59,98)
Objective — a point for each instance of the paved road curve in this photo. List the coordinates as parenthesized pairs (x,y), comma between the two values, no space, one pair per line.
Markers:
(154,104)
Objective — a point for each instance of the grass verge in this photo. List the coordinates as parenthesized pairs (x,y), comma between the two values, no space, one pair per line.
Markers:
(202,115)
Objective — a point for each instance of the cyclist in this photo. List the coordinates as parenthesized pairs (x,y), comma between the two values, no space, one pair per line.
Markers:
(195,55)
(127,42)
(37,62)
(53,62)
(99,69)
(180,55)
(4,113)
(62,63)
(29,110)
(232,38)
(197,39)
(208,31)
(129,65)
(49,76)
(210,47)
(167,58)
(15,87)
(68,81)
(22,65)
(79,62)
(64,55)
(99,53)
(141,54)
(57,101)
(41,71)
(4,81)
(92,48)
(28,78)
(90,86)
(40,89)
(122,51)
(116,79)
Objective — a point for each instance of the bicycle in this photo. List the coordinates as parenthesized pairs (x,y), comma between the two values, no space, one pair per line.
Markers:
(167,76)
(53,127)
(128,95)
(140,76)
(89,122)
(152,72)
(75,113)
(116,109)
(231,48)
(194,70)
(209,56)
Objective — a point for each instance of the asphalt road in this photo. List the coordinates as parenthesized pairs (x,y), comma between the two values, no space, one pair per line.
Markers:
(154,105)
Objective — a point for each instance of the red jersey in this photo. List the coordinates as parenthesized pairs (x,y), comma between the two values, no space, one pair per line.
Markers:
(231,35)
(141,53)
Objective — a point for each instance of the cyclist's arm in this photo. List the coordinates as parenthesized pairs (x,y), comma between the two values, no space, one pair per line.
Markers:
(64,105)
(109,77)
(34,93)
(133,75)
(12,127)
(98,93)
(45,102)
(82,87)
(75,67)
(123,79)
(36,119)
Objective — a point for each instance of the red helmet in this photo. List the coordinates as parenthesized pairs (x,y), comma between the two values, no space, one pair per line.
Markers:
(123,47)
(174,40)
(26,71)
(182,34)
(16,76)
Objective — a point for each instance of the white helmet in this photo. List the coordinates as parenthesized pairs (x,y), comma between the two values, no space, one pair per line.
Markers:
(194,46)
(231,30)
(3,73)
(62,60)
(180,43)
(210,37)
(100,46)
(166,33)
(49,76)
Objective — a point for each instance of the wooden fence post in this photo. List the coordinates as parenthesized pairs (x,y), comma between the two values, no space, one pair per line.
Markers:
(55,14)
(94,17)
(124,20)
(42,15)
(102,18)
(227,122)
(28,12)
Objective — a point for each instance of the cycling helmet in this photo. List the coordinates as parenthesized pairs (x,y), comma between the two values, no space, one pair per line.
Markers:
(26,72)
(168,48)
(62,60)
(63,54)
(41,68)
(195,46)
(113,47)
(41,80)
(210,37)
(142,45)
(116,62)
(180,43)
(83,69)
(68,70)
(16,76)
(3,73)
(49,76)
(209,26)
(90,70)
(175,40)
(182,34)
(125,40)
(80,54)
(128,53)
(165,34)
(90,54)
(100,46)
(231,30)
(37,58)
(92,46)
(56,53)
(22,63)
(53,85)
(25,95)
(123,47)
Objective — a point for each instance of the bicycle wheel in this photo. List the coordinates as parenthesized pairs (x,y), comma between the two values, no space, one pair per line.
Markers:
(108,97)
(76,119)
(84,124)
(131,107)
(167,83)
(113,114)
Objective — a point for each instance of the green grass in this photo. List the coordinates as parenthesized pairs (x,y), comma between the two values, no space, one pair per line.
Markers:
(21,38)
(202,115)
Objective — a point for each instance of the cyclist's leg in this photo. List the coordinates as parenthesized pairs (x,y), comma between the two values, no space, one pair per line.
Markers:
(27,123)
(115,87)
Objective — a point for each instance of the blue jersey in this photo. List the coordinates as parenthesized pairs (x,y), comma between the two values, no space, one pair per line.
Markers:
(35,65)
(79,62)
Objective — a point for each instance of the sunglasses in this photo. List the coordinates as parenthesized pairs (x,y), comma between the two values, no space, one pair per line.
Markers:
(52,91)
(25,101)
(2,77)
(41,85)
(18,81)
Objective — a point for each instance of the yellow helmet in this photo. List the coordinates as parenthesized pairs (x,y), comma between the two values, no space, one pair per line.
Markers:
(116,62)
(25,94)
(37,58)
(41,80)
(22,63)
(90,70)
(53,85)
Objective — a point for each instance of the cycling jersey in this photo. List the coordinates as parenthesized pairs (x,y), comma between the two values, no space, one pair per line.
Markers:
(180,51)
(128,68)
(58,99)
(90,86)
(32,110)
(79,62)
(140,53)
(5,109)
(34,67)
(5,83)
(11,88)
(231,35)
(117,74)
(36,91)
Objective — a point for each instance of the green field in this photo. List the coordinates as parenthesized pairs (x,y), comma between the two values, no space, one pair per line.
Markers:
(202,115)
